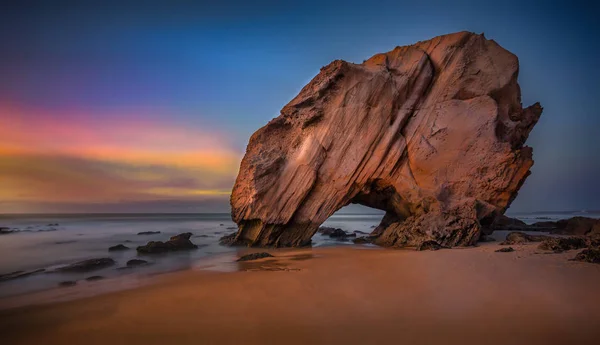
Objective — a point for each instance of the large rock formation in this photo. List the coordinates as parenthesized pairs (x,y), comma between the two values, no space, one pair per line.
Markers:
(431,133)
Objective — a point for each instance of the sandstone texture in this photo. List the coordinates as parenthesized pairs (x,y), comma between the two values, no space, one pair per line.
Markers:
(432,133)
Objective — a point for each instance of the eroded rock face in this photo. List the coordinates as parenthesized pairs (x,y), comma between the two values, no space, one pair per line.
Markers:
(432,133)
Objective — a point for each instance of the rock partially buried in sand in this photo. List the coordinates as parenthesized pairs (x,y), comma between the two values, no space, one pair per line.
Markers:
(117,248)
(591,255)
(229,240)
(87,265)
(67,283)
(176,243)
(363,240)
(431,133)
(94,278)
(521,237)
(255,256)
(148,233)
(560,244)
(505,250)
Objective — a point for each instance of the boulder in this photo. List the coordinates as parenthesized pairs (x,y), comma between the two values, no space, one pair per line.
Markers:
(432,133)
(175,243)
(87,265)
(117,248)
(505,250)
(573,226)
(254,256)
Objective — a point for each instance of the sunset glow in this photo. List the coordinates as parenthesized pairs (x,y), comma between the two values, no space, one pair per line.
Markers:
(70,157)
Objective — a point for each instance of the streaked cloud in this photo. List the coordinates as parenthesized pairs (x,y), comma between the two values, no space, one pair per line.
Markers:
(74,158)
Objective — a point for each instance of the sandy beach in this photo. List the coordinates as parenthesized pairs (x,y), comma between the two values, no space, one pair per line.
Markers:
(348,295)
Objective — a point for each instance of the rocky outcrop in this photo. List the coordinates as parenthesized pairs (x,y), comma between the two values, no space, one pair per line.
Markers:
(175,243)
(432,133)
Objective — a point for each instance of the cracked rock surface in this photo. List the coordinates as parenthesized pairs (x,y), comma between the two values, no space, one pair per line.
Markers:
(432,133)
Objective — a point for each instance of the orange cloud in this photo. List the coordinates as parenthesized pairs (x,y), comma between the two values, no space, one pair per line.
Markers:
(73,158)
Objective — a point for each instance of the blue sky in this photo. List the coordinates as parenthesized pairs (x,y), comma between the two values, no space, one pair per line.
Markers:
(223,70)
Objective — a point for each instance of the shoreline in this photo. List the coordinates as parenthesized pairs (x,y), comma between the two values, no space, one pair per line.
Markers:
(341,294)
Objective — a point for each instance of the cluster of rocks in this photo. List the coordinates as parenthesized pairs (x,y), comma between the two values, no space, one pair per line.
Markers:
(585,233)
(335,233)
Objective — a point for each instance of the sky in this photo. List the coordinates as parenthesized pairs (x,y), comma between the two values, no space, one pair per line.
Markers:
(147,106)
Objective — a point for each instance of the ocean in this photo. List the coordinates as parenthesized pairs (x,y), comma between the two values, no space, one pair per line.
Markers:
(50,241)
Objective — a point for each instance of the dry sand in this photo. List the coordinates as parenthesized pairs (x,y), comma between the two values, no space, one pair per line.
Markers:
(340,296)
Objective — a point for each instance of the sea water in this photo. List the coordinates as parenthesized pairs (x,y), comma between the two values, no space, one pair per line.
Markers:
(50,241)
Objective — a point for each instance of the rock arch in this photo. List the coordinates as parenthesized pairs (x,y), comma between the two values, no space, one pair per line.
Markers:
(431,133)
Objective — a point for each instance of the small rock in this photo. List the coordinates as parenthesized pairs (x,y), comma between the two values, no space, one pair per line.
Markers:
(118,247)
(360,232)
(5,230)
(429,245)
(94,278)
(221,224)
(231,228)
(255,256)
(67,283)
(148,233)
(136,262)
(505,250)
(65,242)
(588,255)
(87,265)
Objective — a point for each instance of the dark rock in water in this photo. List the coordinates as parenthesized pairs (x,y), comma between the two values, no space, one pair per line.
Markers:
(221,224)
(94,278)
(175,243)
(588,255)
(19,274)
(255,256)
(521,237)
(5,230)
(136,262)
(360,232)
(228,240)
(505,250)
(201,236)
(507,223)
(560,244)
(67,283)
(335,232)
(231,228)
(54,224)
(148,232)
(363,240)
(87,265)
(65,242)
(373,226)
(118,247)
(429,245)
(128,241)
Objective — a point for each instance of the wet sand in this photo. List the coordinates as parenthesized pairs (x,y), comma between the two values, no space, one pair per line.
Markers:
(339,296)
